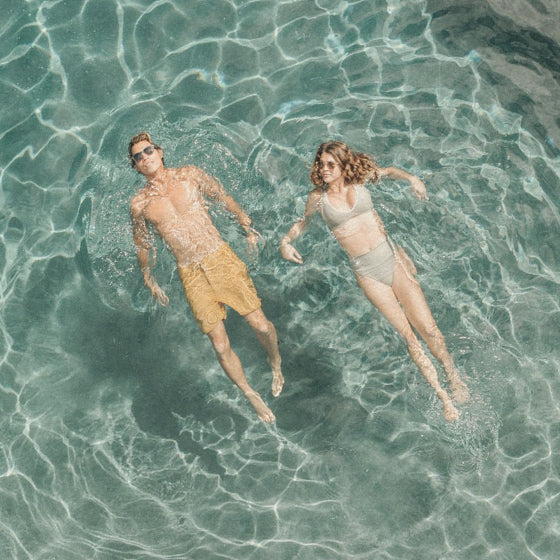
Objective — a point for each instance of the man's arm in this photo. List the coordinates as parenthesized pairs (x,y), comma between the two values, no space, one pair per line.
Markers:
(398,174)
(144,247)
(215,192)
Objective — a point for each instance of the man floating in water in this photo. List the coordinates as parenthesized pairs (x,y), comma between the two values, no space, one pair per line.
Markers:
(173,201)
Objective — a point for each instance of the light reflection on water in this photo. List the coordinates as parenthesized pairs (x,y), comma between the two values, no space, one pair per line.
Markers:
(121,438)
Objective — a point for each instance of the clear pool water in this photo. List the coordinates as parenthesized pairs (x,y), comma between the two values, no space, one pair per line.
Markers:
(120,437)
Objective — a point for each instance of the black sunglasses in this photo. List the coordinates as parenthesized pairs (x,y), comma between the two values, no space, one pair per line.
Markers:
(148,150)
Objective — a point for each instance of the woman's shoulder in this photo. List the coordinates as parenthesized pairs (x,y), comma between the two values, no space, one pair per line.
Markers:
(317,192)
(314,197)
(314,200)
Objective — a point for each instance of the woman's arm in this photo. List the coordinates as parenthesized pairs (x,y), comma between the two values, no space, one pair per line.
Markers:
(417,184)
(287,250)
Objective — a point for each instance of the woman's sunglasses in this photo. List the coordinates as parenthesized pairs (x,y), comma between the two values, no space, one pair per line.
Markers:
(148,150)
(330,165)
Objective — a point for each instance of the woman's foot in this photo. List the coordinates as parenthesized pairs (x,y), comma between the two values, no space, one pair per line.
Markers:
(460,391)
(450,413)
(458,387)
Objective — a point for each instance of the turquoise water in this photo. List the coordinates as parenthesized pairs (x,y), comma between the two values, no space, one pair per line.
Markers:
(120,436)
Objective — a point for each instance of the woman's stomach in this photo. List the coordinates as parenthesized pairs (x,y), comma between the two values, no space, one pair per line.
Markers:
(359,237)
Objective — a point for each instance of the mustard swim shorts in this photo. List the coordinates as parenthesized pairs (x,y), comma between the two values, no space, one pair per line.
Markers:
(220,279)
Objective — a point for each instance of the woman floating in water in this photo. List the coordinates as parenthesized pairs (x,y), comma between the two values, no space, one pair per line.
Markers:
(384,272)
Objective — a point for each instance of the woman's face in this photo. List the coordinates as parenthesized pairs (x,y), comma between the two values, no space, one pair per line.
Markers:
(329,168)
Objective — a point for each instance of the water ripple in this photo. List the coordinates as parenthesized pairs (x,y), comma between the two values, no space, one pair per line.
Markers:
(121,437)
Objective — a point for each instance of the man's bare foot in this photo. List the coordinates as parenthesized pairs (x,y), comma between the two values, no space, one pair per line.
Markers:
(277,377)
(277,382)
(263,412)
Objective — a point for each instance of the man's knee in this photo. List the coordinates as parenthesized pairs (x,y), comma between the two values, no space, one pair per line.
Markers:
(220,341)
(264,328)
(259,322)
(221,347)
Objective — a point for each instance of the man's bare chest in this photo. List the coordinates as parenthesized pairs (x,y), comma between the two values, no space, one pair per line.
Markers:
(172,203)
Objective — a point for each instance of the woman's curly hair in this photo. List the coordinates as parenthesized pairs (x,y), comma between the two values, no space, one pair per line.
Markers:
(356,168)
(141,137)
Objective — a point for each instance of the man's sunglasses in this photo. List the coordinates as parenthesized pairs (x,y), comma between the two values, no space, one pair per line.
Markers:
(148,150)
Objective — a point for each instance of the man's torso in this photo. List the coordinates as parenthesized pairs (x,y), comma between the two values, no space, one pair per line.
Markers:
(177,210)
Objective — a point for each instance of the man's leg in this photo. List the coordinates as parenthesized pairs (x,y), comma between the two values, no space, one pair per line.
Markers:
(266,333)
(232,366)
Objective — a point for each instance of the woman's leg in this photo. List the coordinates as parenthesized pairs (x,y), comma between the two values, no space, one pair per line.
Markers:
(410,295)
(383,297)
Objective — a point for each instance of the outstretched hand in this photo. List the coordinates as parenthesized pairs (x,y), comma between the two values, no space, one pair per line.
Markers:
(419,188)
(154,288)
(160,295)
(290,253)
(253,238)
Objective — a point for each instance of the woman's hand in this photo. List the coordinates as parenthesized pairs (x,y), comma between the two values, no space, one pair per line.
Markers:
(417,184)
(289,252)
(418,187)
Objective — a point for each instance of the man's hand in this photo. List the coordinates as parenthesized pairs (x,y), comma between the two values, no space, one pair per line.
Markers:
(157,292)
(253,238)
(290,253)
(419,188)
(160,295)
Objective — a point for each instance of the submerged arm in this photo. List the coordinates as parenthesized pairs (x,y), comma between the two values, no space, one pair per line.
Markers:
(287,250)
(215,191)
(399,174)
(144,248)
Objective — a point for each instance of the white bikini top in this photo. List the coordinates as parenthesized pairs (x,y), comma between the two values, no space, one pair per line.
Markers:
(335,217)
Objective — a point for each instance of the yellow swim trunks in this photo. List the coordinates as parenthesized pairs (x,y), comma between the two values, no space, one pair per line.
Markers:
(220,279)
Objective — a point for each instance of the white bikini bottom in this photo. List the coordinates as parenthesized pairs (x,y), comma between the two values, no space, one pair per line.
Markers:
(377,264)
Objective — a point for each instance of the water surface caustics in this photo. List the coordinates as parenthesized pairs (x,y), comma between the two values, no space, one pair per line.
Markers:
(120,436)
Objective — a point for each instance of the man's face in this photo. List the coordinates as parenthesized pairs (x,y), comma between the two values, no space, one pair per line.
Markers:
(148,164)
